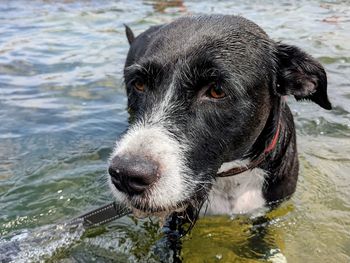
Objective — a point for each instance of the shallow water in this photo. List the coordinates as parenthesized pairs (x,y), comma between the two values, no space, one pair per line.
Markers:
(62,105)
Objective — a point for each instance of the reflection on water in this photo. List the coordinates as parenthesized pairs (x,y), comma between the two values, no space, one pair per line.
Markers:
(164,6)
(62,105)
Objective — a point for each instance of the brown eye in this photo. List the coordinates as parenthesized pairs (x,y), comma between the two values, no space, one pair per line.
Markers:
(140,86)
(215,91)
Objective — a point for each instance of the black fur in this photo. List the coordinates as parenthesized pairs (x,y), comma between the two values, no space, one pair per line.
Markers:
(129,34)
(253,70)
(302,76)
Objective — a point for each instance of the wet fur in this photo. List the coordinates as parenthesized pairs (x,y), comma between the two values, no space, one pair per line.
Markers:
(176,61)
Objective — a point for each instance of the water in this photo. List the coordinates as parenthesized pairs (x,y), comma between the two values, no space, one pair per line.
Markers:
(62,105)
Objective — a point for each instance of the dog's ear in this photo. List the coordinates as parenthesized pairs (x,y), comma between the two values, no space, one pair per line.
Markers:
(301,75)
(129,34)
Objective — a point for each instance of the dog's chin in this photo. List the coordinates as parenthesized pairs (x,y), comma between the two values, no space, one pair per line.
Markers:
(143,209)
(161,213)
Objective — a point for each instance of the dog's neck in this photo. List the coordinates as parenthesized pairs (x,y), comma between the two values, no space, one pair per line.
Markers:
(264,145)
(282,163)
(267,140)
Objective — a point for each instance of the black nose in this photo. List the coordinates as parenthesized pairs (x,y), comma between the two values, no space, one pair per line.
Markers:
(132,175)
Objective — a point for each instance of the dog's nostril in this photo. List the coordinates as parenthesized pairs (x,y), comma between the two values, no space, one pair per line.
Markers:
(113,172)
(137,185)
(132,175)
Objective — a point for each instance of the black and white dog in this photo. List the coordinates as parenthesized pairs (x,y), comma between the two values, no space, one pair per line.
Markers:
(208,122)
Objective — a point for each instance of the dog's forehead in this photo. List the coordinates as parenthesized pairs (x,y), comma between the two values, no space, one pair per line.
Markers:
(233,43)
(187,47)
(196,36)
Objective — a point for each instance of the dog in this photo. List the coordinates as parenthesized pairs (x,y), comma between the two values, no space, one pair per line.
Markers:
(209,125)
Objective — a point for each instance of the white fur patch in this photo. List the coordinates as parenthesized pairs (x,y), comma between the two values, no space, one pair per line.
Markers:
(233,164)
(150,138)
(237,194)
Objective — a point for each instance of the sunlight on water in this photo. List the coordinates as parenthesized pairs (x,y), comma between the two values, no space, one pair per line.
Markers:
(62,105)
(41,243)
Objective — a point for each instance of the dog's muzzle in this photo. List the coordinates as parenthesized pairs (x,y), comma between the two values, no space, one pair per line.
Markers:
(133,175)
(148,170)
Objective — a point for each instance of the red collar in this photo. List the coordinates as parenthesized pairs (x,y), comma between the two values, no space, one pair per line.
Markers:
(258,160)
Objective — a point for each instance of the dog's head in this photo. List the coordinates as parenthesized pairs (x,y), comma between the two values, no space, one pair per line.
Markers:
(200,90)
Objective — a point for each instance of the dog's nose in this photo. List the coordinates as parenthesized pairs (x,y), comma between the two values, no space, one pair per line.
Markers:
(132,175)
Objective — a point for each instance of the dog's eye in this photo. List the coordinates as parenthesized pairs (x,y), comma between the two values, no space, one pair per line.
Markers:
(140,86)
(215,91)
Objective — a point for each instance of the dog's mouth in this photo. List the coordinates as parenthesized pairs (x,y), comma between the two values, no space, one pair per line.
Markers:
(141,208)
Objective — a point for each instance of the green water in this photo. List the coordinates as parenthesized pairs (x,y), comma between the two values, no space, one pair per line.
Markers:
(62,105)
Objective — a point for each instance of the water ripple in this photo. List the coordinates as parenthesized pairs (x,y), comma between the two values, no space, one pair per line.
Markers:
(62,105)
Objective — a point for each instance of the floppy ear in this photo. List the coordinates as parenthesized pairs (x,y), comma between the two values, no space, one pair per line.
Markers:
(129,34)
(301,75)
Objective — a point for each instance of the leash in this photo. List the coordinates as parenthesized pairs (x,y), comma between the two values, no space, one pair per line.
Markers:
(102,215)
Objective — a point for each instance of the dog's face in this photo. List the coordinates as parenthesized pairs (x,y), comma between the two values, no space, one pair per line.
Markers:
(199,93)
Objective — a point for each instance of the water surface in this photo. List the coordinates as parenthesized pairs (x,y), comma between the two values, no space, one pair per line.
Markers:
(62,105)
